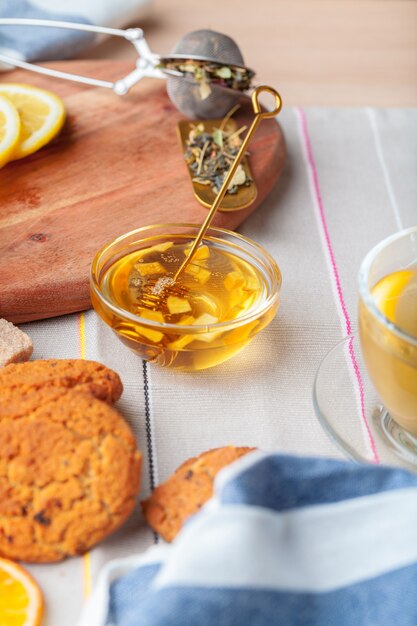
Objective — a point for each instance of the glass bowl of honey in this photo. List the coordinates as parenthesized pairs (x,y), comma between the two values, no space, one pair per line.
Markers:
(226,295)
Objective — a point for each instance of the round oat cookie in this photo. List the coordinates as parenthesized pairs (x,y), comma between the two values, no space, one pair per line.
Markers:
(26,386)
(185,492)
(69,475)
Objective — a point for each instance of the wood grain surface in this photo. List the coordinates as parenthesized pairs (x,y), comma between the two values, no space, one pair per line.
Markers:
(116,166)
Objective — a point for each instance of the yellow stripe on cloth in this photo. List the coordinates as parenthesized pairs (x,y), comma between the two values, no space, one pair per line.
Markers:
(81,335)
(86,557)
(87,574)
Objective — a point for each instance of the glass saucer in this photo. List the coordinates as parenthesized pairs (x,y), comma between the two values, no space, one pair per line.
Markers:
(352,415)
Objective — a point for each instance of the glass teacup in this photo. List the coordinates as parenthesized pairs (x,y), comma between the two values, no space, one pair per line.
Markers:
(388,325)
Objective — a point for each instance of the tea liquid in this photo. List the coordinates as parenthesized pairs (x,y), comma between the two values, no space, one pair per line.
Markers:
(217,286)
(391,360)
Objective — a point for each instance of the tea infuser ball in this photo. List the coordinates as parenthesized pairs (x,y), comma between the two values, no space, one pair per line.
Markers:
(185,94)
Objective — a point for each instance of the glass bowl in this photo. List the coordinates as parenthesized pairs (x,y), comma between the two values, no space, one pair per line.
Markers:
(204,345)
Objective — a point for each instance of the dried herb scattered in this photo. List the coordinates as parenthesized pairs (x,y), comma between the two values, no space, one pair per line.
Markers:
(210,155)
(207,73)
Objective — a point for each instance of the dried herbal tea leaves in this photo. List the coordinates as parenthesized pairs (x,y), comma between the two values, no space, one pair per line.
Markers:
(207,73)
(210,156)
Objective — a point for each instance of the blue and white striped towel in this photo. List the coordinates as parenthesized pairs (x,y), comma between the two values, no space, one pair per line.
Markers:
(42,44)
(284,541)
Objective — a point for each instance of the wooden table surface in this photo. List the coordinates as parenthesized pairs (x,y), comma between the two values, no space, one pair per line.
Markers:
(316,52)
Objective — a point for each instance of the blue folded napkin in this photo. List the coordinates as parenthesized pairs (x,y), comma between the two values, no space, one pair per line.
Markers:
(40,44)
(284,540)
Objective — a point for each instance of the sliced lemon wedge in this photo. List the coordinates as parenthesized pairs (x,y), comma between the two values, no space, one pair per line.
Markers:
(42,115)
(21,601)
(388,291)
(10,128)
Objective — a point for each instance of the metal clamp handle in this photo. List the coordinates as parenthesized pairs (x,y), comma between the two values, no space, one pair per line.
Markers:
(145,65)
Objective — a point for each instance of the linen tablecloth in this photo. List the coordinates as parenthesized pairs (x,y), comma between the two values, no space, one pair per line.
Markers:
(349,181)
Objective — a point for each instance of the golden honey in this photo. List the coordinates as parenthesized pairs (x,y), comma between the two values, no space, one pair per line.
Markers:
(210,313)
(391,359)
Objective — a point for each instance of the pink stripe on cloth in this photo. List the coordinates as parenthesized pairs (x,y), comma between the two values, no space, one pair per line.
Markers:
(335,271)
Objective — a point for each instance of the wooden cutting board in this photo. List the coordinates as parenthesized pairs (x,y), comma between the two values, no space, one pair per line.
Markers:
(115,166)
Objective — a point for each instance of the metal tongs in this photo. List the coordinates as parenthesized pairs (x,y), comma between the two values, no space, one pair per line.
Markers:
(145,64)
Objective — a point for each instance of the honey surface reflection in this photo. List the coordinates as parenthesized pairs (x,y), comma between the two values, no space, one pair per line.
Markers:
(200,321)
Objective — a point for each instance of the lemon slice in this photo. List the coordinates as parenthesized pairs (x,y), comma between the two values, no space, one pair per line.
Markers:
(42,116)
(388,291)
(10,128)
(21,601)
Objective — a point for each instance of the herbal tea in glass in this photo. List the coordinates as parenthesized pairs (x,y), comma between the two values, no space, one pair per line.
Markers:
(388,324)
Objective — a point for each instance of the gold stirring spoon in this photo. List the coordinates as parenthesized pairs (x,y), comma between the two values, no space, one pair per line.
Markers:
(259,116)
(167,285)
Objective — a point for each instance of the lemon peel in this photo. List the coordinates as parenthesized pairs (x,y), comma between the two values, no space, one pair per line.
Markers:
(42,115)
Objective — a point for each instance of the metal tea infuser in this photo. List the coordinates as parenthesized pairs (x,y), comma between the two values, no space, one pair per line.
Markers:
(211,51)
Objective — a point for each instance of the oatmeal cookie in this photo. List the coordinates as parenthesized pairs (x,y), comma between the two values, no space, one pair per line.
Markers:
(26,386)
(185,492)
(69,474)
